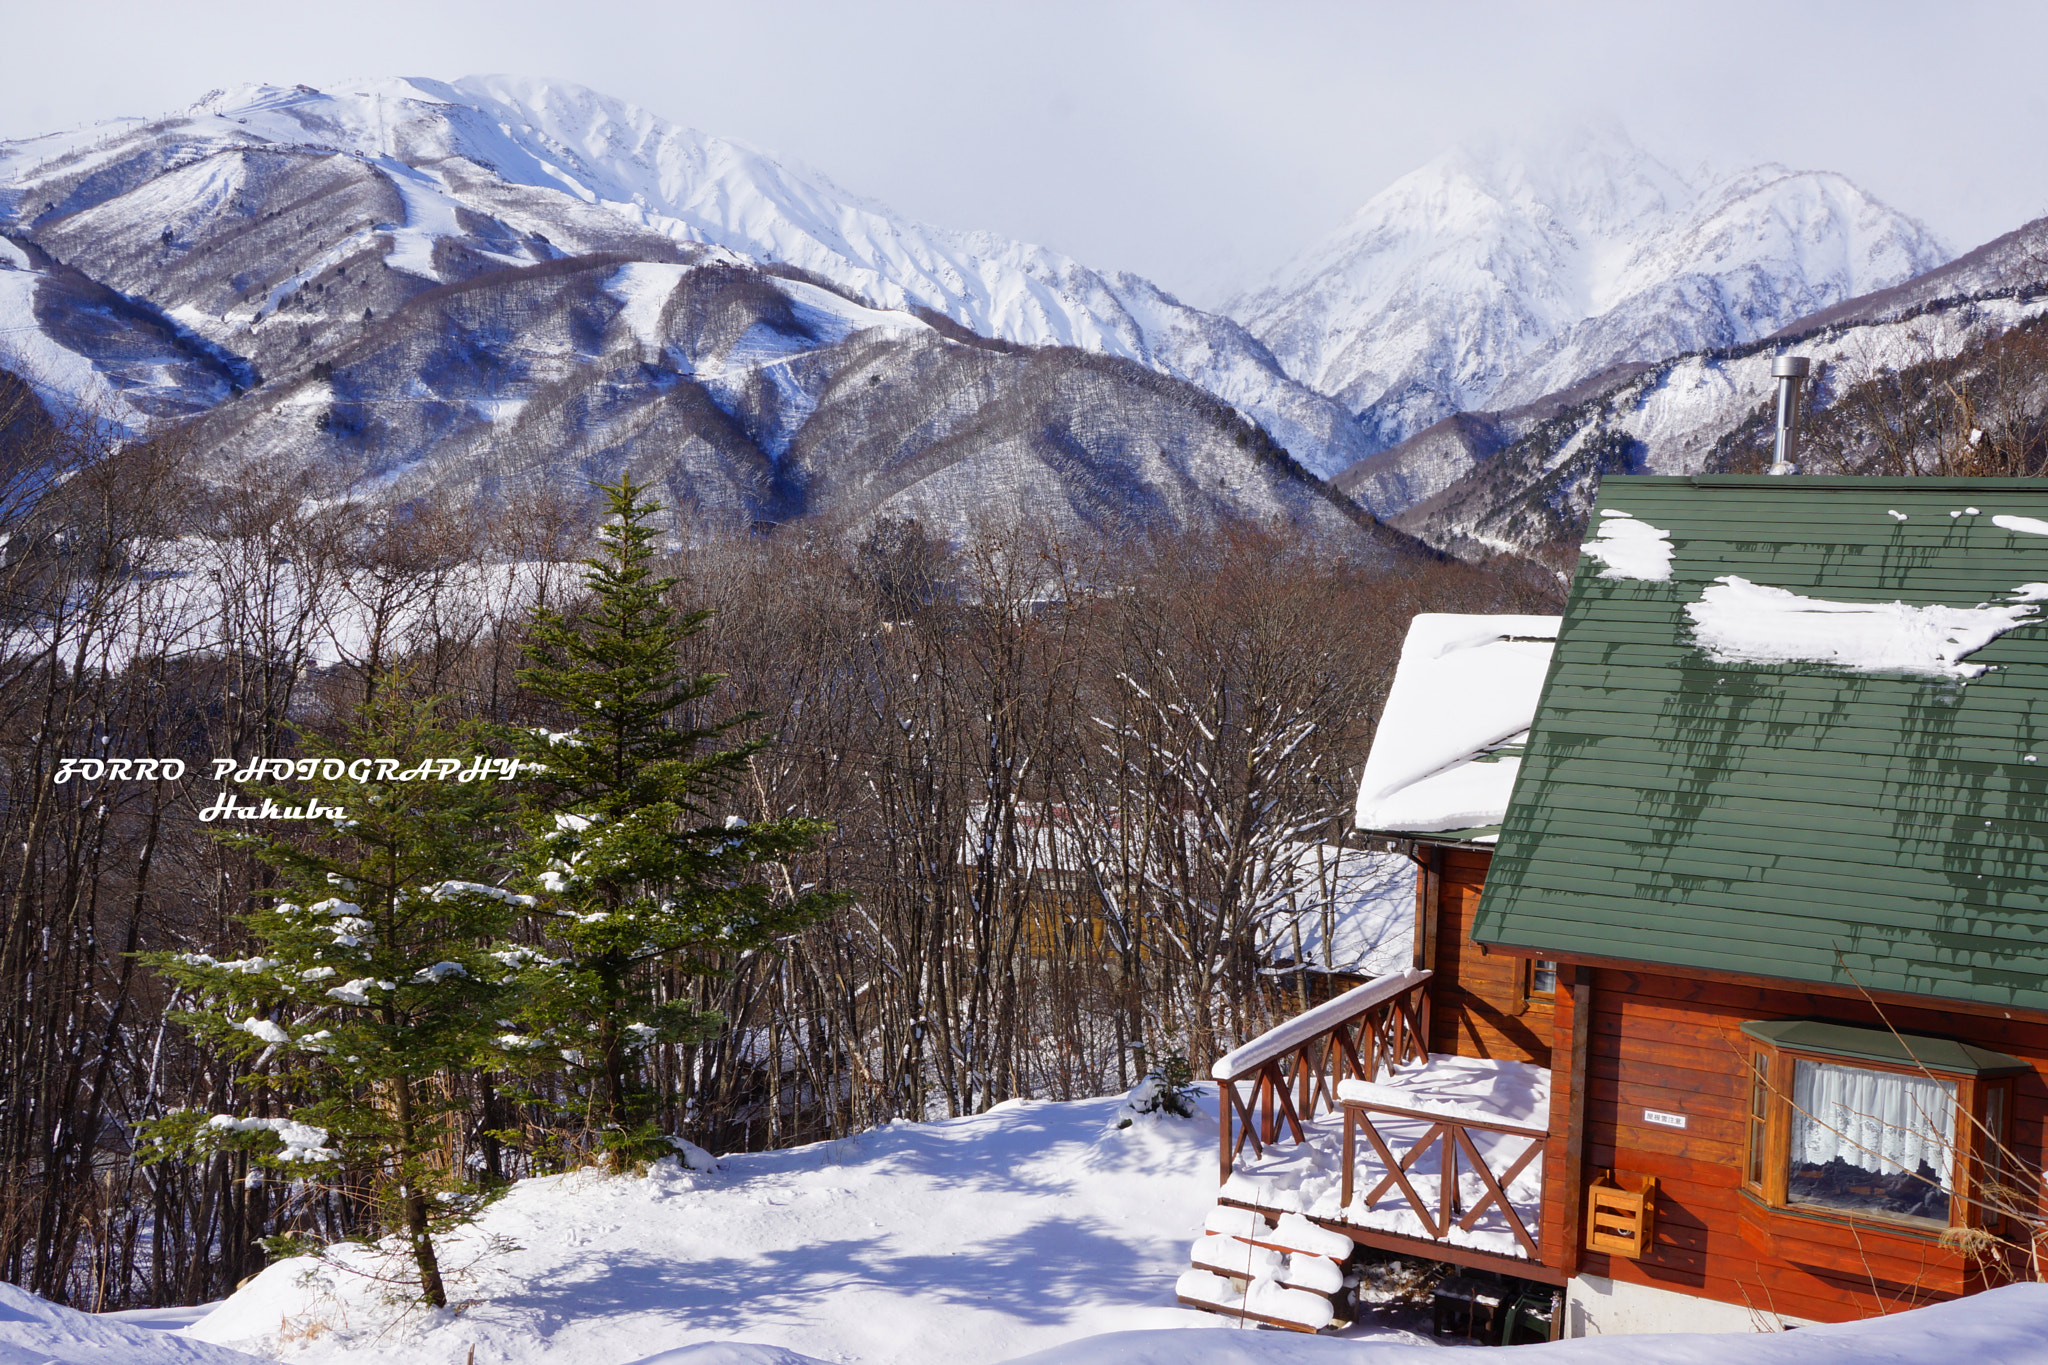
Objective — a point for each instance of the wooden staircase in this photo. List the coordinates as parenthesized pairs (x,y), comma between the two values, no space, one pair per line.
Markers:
(1277,1267)
(1287,1274)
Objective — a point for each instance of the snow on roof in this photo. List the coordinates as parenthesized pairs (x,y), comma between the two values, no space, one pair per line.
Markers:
(1737,621)
(1466,687)
(1630,548)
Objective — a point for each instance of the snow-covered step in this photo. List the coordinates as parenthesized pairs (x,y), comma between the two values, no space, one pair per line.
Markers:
(1241,1260)
(1227,1221)
(1262,1300)
(1260,1194)
(1236,1258)
(1294,1233)
(1317,1274)
(1287,1275)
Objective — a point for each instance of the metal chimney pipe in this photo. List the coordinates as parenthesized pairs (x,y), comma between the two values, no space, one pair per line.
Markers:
(1790,372)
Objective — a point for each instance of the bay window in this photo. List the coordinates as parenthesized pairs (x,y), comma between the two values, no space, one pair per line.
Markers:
(1857,1122)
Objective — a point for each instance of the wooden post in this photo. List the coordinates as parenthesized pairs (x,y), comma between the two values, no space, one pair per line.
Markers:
(1427,893)
(1564,1154)
(1422,1022)
(1226,1095)
(1350,1161)
(1447,1181)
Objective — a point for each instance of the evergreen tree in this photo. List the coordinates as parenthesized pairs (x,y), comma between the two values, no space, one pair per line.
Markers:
(635,872)
(377,972)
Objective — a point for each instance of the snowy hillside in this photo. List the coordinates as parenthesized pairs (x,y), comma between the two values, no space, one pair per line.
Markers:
(967,1241)
(1537,484)
(561,168)
(1039,1230)
(1497,274)
(35,1332)
(442,290)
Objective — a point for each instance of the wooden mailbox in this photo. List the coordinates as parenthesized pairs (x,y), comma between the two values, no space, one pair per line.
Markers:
(1621,1221)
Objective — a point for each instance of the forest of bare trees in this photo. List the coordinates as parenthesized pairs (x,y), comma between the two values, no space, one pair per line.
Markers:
(1069,786)
(1979,412)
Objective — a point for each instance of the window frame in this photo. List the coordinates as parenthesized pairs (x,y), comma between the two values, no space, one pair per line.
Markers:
(1983,1118)
(1530,993)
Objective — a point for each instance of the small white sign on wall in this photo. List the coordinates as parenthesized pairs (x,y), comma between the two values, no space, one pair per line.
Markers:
(1662,1119)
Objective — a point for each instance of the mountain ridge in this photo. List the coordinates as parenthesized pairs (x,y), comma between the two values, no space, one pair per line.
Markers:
(1484,279)
(660,179)
(1533,471)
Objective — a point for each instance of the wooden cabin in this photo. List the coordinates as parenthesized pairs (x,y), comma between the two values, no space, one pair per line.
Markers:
(1436,787)
(1740,1017)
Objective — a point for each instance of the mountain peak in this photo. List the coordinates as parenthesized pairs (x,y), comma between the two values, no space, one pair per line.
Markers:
(534,156)
(1512,263)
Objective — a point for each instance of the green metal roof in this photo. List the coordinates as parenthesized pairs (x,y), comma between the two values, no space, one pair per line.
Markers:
(1850,1041)
(1793,819)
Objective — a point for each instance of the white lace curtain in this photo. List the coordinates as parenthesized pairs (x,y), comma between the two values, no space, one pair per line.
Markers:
(1880,1121)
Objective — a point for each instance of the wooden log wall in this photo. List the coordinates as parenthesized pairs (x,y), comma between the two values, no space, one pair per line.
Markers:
(1478,1003)
(1671,1044)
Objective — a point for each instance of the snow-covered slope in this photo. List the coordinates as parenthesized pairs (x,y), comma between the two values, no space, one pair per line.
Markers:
(467,290)
(966,1241)
(1496,274)
(573,167)
(1040,1230)
(83,345)
(34,1331)
(1670,418)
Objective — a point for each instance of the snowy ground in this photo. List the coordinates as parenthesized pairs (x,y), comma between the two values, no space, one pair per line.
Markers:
(967,1241)
(2004,1327)
(1040,1231)
(35,1332)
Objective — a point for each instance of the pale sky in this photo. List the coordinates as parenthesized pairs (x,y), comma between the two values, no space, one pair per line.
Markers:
(1198,143)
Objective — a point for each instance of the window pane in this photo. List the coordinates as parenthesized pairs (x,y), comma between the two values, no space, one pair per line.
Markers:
(1759,1111)
(1543,977)
(1994,1192)
(1871,1141)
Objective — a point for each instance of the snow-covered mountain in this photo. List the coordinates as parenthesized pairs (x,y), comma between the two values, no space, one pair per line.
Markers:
(1531,474)
(530,153)
(1497,274)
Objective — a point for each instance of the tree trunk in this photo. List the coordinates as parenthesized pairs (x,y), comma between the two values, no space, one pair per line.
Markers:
(412,1202)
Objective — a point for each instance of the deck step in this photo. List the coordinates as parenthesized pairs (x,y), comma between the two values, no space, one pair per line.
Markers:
(1294,1233)
(1262,1300)
(1286,1276)
(1228,1220)
(1297,1234)
(1237,1259)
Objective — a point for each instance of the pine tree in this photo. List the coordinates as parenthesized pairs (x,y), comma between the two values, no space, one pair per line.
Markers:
(635,872)
(377,971)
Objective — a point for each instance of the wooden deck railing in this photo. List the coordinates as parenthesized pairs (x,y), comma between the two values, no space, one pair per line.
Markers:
(1276,1083)
(1452,1136)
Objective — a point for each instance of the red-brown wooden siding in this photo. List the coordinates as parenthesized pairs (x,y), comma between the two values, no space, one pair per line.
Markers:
(1660,1041)
(1476,1000)
(1669,1043)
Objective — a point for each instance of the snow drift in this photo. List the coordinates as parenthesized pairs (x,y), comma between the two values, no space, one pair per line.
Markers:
(34,1331)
